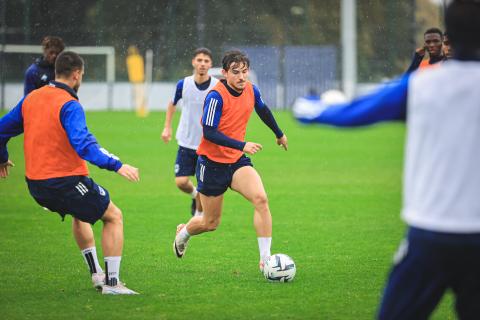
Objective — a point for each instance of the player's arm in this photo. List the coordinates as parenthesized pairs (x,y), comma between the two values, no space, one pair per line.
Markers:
(167,128)
(84,143)
(417,59)
(29,83)
(387,104)
(212,111)
(11,125)
(267,117)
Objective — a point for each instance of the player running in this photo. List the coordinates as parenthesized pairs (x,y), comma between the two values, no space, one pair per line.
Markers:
(222,162)
(56,144)
(192,90)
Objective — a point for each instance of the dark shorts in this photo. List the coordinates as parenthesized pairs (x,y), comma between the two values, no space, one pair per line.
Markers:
(186,162)
(426,265)
(215,178)
(78,196)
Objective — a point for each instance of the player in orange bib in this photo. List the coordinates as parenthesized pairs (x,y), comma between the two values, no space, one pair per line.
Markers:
(57,144)
(222,162)
(433,38)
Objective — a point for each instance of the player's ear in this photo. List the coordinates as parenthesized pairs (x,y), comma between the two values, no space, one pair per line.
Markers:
(224,73)
(76,74)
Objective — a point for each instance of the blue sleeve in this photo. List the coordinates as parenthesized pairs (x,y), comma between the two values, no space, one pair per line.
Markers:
(212,111)
(178,92)
(29,84)
(417,60)
(11,125)
(265,114)
(84,143)
(387,104)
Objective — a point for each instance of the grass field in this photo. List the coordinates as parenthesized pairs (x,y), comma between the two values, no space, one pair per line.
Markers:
(335,199)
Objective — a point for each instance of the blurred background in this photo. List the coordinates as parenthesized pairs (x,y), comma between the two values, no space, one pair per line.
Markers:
(294,45)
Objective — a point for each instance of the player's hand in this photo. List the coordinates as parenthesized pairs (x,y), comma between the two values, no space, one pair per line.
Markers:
(167,135)
(130,173)
(252,147)
(421,51)
(4,168)
(283,142)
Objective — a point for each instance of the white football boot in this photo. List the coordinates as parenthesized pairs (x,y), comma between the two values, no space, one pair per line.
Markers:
(179,246)
(98,280)
(116,290)
(261,264)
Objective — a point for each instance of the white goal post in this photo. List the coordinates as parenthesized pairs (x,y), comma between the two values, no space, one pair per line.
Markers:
(109,52)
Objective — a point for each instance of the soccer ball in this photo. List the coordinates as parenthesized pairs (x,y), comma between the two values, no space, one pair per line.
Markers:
(279,268)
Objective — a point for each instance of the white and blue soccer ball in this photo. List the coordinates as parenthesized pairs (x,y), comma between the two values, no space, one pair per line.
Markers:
(279,268)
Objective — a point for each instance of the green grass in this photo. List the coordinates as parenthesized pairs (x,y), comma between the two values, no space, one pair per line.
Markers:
(335,199)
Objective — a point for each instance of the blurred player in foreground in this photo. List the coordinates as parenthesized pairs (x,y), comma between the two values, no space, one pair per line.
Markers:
(42,71)
(56,144)
(441,177)
(192,90)
(222,162)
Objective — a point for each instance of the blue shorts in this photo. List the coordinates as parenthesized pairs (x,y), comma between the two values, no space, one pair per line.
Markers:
(215,178)
(426,265)
(78,196)
(186,162)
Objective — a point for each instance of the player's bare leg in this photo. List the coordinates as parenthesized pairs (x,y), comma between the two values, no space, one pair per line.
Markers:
(248,183)
(112,244)
(83,234)
(112,235)
(186,185)
(199,224)
(211,217)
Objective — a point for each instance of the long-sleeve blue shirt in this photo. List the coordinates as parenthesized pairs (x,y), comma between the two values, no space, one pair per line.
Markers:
(73,121)
(211,118)
(387,104)
(39,73)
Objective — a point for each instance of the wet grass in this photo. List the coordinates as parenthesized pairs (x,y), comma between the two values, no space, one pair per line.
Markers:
(335,198)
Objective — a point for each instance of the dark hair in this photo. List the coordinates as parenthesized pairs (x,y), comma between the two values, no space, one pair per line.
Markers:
(66,63)
(204,51)
(434,30)
(51,42)
(462,19)
(234,56)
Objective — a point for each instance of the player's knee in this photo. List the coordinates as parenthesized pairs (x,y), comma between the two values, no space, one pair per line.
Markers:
(260,200)
(211,225)
(117,216)
(182,182)
(113,215)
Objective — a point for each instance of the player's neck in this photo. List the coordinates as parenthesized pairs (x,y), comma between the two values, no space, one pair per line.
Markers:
(199,79)
(67,82)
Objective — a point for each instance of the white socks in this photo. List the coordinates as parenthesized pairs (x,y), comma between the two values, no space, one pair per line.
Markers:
(112,271)
(264,245)
(90,257)
(198,213)
(194,192)
(183,235)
